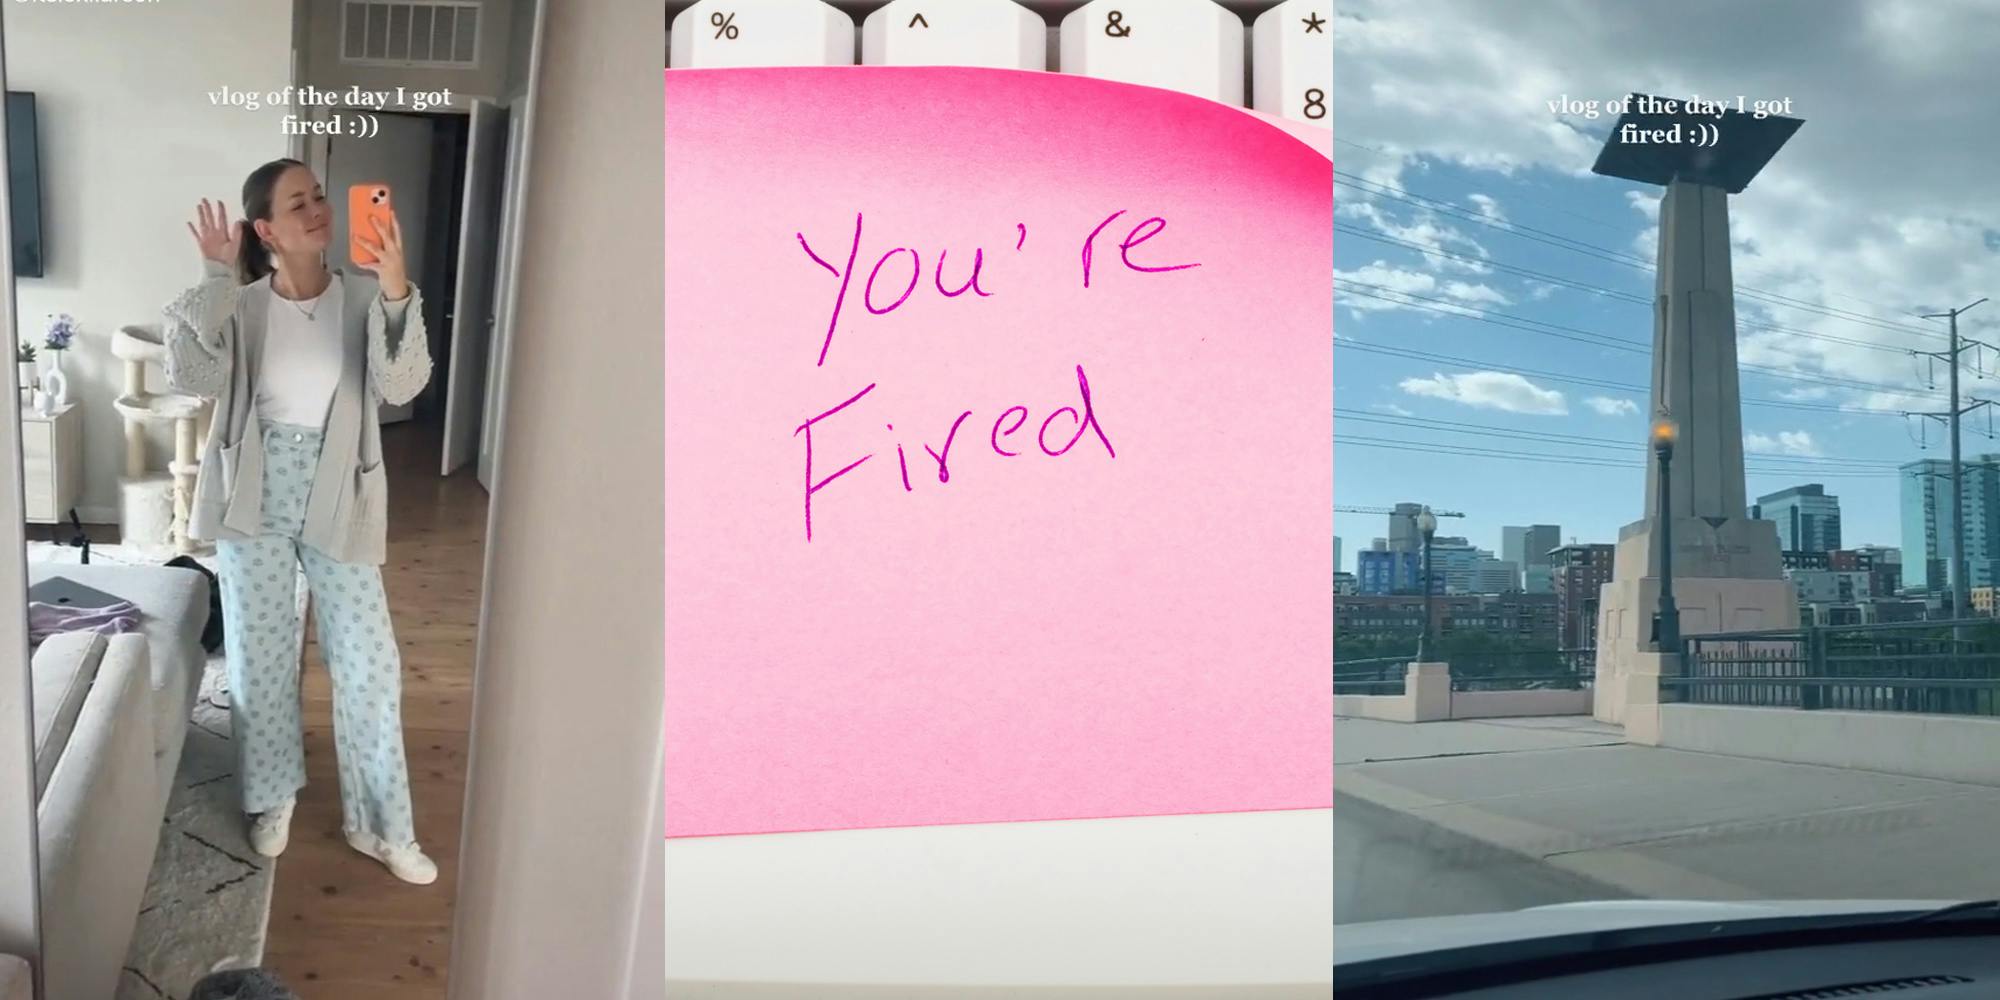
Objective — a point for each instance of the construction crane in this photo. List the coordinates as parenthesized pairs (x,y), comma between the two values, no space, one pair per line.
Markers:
(1389,510)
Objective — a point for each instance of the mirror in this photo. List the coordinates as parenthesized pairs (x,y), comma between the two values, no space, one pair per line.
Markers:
(254,471)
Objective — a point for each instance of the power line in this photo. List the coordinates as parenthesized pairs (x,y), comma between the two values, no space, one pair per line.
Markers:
(1457,210)
(1490,430)
(1596,221)
(1452,359)
(1593,220)
(1539,459)
(1600,290)
(1957,576)
(1601,252)
(1604,340)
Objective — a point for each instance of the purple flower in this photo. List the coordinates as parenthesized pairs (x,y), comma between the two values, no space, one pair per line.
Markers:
(62,330)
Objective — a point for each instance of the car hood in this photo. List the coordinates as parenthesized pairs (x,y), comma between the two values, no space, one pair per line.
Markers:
(1402,938)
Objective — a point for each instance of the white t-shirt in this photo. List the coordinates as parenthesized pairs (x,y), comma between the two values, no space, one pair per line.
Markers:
(302,359)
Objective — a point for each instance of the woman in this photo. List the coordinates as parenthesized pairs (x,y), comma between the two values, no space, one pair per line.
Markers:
(299,359)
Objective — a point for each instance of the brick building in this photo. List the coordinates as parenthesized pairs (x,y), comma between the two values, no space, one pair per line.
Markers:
(1579,573)
(1525,618)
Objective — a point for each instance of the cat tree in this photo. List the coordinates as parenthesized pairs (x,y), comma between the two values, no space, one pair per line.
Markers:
(154,506)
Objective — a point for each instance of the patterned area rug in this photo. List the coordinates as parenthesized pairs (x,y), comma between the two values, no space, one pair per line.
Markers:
(208,900)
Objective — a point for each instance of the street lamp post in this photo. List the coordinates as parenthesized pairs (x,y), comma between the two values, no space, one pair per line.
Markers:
(1427,523)
(1669,637)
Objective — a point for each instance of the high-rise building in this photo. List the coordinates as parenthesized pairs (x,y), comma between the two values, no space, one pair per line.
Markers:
(1391,573)
(1808,520)
(1882,564)
(1496,576)
(1528,546)
(1927,524)
(1579,573)
(1403,533)
(1831,586)
(1336,553)
(1793,559)
(1456,561)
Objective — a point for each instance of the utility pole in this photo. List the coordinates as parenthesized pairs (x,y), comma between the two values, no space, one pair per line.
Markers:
(1961,588)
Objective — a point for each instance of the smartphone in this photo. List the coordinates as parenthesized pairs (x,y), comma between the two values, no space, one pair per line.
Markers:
(366,204)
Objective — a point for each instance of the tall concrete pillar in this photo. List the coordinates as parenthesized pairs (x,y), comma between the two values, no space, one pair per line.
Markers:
(1694,355)
(1727,573)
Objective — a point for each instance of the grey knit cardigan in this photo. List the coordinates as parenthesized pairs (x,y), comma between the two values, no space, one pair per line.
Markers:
(214,335)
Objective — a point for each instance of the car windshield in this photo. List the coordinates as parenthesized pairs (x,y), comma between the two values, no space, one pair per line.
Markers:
(1668,509)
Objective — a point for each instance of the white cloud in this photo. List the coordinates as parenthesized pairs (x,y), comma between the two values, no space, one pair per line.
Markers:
(1489,391)
(1392,408)
(1646,203)
(1465,84)
(1426,231)
(1785,443)
(1488,207)
(1460,297)
(1612,407)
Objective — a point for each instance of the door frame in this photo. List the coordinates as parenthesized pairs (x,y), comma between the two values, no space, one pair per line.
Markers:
(469,401)
(499,352)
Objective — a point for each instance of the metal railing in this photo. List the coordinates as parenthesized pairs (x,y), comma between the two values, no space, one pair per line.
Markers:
(1525,670)
(1378,675)
(1938,668)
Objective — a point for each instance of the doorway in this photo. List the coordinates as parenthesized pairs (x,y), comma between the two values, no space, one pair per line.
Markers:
(453,171)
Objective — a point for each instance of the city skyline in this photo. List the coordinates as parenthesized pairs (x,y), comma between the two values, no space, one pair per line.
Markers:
(1493,296)
(1475,533)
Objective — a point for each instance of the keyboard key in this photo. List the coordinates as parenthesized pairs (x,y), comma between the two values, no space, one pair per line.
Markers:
(717,33)
(1291,61)
(1194,46)
(998,33)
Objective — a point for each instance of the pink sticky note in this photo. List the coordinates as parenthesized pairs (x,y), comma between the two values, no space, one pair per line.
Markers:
(1069,398)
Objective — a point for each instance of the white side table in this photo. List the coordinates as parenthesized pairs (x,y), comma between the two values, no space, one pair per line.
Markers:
(51,462)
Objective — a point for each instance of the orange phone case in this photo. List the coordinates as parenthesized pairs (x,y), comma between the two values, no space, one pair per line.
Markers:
(366,203)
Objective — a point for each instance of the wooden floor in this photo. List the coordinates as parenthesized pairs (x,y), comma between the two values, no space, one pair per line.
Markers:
(341,925)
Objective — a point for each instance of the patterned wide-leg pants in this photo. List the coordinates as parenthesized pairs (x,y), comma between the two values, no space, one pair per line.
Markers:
(260,611)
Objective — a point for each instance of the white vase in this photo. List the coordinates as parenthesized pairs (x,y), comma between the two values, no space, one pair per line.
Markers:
(42,403)
(56,382)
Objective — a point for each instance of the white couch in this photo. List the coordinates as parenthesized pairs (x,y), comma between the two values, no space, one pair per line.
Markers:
(110,719)
(14,981)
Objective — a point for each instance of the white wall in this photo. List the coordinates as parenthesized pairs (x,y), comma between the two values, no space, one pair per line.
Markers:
(1427,697)
(321,65)
(1386,707)
(129,144)
(562,798)
(1518,704)
(1948,747)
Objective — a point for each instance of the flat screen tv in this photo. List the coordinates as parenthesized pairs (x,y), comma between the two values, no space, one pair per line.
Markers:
(24,183)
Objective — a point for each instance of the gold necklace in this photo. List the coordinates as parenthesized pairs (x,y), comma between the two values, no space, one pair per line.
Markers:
(313,313)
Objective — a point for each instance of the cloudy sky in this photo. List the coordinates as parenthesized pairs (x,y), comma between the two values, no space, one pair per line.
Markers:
(1503,372)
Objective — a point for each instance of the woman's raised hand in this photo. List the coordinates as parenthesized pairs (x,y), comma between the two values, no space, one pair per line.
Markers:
(218,238)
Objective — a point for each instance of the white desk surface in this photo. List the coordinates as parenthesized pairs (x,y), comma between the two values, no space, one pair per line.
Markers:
(1226,904)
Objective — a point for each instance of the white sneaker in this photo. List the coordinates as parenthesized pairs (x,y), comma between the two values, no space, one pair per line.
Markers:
(406,862)
(271,830)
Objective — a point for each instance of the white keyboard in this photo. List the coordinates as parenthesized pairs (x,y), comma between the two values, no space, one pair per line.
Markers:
(1272,55)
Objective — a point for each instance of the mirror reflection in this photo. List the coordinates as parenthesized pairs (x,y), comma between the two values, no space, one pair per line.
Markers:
(263,255)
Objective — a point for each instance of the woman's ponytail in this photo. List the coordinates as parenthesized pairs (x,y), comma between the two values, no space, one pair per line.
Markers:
(252,256)
(252,260)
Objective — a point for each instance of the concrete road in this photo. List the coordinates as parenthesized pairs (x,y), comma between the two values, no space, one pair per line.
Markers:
(1388,866)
